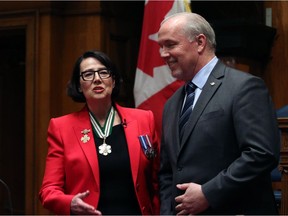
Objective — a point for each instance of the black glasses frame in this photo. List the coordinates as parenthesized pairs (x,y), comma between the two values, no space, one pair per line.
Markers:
(96,71)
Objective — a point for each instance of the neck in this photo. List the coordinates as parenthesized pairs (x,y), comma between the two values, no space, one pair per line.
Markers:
(202,61)
(100,111)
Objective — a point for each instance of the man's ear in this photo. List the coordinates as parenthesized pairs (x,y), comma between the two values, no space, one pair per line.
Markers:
(201,41)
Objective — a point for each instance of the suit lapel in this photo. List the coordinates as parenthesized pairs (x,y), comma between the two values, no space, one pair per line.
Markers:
(208,91)
(88,146)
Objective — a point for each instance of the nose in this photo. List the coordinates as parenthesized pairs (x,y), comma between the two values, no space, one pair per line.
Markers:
(96,77)
(164,53)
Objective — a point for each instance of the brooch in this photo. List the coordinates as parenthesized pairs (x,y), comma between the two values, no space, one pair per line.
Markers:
(85,137)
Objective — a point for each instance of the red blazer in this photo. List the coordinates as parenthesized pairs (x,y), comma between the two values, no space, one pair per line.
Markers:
(72,165)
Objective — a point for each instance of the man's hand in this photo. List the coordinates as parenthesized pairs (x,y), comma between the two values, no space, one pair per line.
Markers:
(79,207)
(192,201)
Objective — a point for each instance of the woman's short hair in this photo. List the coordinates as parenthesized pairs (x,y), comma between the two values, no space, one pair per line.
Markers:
(73,87)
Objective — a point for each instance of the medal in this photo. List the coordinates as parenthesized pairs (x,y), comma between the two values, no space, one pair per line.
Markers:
(104,132)
(147,146)
(104,148)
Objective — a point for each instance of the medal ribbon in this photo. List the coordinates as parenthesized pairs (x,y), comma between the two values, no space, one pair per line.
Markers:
(103,132)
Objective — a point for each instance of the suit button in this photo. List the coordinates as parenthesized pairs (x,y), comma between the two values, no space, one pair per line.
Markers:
(179,168)
(137,186)
(143,208)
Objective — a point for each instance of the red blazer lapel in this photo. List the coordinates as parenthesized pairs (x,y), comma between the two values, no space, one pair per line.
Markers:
(86,141)
(133,147)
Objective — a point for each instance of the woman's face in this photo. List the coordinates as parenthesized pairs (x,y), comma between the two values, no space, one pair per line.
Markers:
(96,89)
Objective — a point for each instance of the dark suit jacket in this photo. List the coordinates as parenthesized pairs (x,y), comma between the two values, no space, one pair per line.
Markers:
(230,145)
(72,165)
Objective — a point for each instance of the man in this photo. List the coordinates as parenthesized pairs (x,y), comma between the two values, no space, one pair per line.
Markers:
(220,161)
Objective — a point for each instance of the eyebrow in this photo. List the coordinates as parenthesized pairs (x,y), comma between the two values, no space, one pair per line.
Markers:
(103,68)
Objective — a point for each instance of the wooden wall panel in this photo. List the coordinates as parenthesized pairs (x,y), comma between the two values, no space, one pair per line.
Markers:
(80,34)
(43,100)
(276,74)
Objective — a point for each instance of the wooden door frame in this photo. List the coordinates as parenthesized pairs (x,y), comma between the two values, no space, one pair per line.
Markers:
(28,22)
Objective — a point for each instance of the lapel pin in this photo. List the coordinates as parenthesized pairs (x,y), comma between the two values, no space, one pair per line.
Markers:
(85,137)
(212,83)
(85,131)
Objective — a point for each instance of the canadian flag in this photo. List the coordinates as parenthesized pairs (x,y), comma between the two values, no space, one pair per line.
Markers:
(154,83)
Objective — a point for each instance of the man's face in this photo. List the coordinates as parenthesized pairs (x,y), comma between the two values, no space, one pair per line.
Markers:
(179,53)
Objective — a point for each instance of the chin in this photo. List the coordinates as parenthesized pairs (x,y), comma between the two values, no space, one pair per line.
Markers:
(178,75)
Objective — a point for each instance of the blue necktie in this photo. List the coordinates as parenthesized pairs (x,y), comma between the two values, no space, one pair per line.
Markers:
(187,109)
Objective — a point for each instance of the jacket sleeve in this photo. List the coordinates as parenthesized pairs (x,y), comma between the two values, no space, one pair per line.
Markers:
(51,193)
(255,126)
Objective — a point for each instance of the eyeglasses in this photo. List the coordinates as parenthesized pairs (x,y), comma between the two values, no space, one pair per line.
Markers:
(90,74)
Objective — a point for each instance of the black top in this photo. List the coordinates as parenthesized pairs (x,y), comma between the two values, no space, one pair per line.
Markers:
(117,194)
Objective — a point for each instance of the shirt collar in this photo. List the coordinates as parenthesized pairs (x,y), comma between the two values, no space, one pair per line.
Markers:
(201,77)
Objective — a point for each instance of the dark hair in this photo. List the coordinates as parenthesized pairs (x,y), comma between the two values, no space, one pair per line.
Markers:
(74,83)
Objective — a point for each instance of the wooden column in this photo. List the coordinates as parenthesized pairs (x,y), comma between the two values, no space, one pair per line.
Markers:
(283,166)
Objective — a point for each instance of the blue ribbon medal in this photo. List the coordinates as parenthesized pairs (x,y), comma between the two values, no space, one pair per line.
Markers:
(146,146)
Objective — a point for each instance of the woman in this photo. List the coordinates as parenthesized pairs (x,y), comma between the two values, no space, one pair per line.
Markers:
(103,159)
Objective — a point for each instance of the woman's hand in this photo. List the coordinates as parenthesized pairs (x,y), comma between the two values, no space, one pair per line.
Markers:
(79,207)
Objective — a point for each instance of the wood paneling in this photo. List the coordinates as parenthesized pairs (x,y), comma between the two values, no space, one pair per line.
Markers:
(80,34)
(276,73)
(283,165)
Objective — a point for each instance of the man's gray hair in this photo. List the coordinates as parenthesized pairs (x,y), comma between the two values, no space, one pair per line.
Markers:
(195,25)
